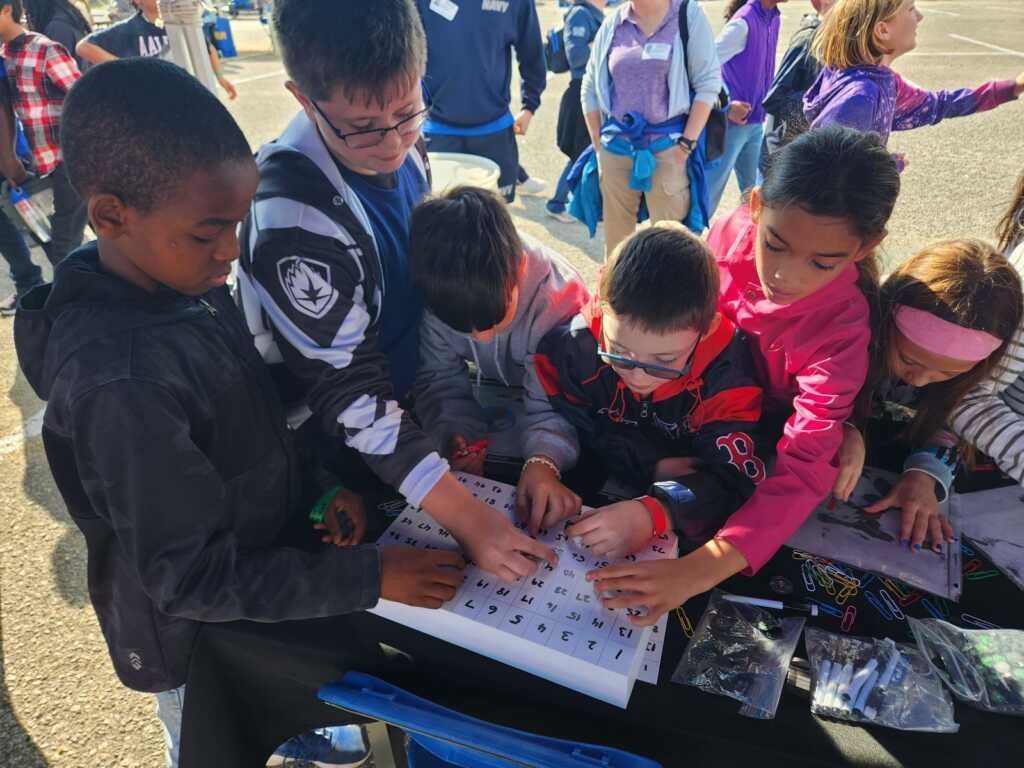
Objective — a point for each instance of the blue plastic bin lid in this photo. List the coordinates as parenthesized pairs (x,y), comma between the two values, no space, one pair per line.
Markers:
(465,741)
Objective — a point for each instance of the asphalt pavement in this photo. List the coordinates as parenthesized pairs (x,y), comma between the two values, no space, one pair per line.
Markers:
(60,703)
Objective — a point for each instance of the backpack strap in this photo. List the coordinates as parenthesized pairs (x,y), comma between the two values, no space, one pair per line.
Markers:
(684,24)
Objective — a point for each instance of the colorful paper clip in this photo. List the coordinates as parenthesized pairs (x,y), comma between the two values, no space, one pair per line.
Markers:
(849,616)
(807,571)
(972,565)
(974,621)
(981,575)
(910,599)
(895,588)
(866,580)
(890,603)
(879,606)
(932,609)
(684,622)
(845,594)
(967,550)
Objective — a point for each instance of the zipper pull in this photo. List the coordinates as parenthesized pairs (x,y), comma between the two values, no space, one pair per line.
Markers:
(644,405)
(208,307)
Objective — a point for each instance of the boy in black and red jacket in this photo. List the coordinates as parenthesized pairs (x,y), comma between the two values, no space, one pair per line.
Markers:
(661,387)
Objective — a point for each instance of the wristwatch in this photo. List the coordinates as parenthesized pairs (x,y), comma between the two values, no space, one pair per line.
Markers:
(671,493)
(690,144)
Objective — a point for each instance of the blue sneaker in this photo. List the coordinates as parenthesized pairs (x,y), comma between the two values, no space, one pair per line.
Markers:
(340,746)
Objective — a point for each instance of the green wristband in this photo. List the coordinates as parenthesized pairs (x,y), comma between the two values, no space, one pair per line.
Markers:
(316,514)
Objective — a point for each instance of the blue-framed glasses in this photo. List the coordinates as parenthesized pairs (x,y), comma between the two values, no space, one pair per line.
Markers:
(622,363)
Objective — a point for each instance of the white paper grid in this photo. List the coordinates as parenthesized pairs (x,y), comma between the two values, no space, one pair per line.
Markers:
(570,638)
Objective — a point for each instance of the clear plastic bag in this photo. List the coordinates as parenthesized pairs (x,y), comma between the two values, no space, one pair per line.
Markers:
(983,667)
(866,680)
(743,652)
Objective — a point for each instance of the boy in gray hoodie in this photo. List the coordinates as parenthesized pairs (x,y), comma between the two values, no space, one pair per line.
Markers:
(491,295)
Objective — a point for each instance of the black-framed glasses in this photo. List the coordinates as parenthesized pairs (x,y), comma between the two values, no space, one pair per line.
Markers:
(621,363)
(371,137)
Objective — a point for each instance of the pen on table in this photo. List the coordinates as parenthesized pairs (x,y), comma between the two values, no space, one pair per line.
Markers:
(778,605)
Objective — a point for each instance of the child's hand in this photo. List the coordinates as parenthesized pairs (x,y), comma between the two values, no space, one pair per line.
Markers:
(541,499)
(657,585)
(344,520)
(464,457)
(497,546)
(426,578)
(676,466)
(914,494)
(616,530)
(851,463)
(738,112)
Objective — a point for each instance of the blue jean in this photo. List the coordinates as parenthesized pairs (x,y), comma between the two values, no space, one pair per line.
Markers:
(168,708)
(560,199)
(742,152)
(14,249)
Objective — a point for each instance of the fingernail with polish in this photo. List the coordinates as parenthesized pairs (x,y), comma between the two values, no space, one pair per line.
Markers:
(904,542)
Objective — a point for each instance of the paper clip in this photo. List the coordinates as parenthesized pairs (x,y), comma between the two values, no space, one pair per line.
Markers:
(839,574)
(879,606)
(967,550)
(891,604)
(974,621)
(866,580)
(972,565)
(895,588)
(849,616)
(799,554)
(981,575)
(932,609)
(910,599)
(684,622)
(845,594)
(808,573)
(831,610)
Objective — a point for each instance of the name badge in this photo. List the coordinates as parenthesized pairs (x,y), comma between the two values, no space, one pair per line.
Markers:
(445,8)
(659,51)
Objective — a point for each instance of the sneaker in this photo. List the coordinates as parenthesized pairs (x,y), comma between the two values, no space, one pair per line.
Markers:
(9,305)
(341,746)
(563,216)
(532,186)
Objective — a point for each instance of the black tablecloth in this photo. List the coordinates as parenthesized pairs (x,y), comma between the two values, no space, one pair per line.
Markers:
(251,686)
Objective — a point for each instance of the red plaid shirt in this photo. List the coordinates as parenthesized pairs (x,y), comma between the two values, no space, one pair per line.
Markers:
(40,72)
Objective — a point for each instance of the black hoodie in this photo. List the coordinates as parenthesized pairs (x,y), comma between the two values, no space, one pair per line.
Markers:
(168,444)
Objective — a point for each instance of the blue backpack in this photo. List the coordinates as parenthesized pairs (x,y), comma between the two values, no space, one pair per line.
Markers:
(554,51)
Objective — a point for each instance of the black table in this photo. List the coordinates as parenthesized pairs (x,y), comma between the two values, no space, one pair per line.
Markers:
(251,686)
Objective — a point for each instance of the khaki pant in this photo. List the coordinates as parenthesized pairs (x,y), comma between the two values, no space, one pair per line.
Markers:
(669,197)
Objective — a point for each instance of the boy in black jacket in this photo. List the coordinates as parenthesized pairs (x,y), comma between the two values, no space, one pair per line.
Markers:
(661,387)
(162,427)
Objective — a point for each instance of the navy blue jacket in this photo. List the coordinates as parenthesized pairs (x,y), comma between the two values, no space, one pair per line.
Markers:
(581,24)
(469,59)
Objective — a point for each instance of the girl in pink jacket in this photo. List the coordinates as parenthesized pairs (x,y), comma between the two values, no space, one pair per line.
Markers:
(795,265)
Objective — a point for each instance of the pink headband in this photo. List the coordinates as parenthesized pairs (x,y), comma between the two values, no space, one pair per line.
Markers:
(942,337)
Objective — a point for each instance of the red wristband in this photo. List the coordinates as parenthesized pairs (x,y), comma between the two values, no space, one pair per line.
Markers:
(659,517)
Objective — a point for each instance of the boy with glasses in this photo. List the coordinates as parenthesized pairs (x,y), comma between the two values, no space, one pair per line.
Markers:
(661,387)
(325,280)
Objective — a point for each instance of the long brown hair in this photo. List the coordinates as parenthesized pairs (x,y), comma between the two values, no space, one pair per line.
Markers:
(847,36)
(1011,227)
(967,282)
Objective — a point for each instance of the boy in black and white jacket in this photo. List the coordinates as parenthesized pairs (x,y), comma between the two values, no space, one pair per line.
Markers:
(325,277)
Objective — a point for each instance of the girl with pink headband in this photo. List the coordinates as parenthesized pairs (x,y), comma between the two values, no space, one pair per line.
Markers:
(991,417)
(947,316)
